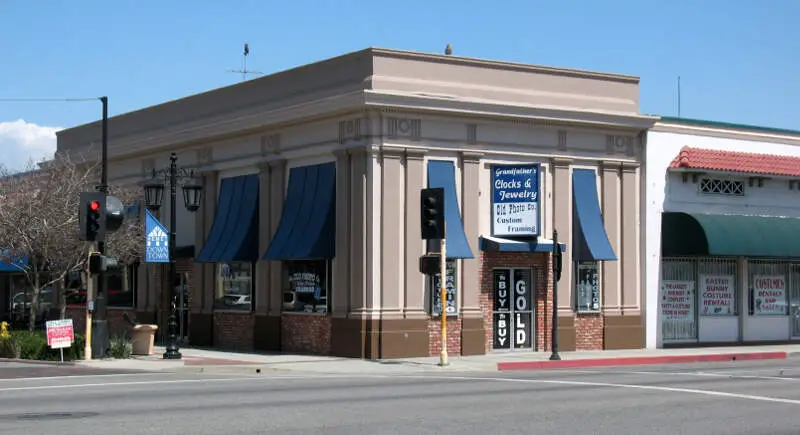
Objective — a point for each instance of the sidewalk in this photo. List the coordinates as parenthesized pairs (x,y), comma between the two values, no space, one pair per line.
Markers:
(202,360)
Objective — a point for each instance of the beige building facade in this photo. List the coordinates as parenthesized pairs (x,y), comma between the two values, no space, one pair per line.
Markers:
(308,238)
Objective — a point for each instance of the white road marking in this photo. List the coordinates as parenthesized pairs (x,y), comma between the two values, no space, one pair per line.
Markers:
(700,374)
(112,375)
(438,377)
(638,387)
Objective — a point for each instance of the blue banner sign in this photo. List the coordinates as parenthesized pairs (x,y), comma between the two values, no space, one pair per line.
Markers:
(515,200)
(156,240)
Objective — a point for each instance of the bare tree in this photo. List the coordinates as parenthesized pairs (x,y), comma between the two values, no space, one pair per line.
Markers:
(39,223)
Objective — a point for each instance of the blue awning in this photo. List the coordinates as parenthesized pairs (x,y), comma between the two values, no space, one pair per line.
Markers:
(234,234)
(12,265)
(307,230)
(497,244)
(442,174)
(591,240)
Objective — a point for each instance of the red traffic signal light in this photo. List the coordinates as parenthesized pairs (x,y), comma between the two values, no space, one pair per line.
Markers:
(94,205)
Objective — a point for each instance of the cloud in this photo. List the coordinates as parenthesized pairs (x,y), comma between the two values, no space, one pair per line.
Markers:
(22,142)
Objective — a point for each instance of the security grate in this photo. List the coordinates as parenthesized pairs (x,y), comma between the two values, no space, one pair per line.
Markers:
(715,186)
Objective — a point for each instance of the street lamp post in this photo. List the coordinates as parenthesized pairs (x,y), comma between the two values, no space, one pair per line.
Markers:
(153,194)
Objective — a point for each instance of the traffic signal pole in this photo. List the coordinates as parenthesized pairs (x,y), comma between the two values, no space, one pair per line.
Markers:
(99,326)
(443,296)
(87,347)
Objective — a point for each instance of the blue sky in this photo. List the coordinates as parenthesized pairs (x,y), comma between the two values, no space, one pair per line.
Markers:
(739,61)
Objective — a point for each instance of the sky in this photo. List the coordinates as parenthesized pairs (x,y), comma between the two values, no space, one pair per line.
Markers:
(738,61)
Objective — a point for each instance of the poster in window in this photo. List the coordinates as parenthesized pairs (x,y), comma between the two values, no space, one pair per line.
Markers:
(769,295)
(502,330)
(523,300)
(502,287)
(677,300)
(717,295)
(451,291)
(588,287)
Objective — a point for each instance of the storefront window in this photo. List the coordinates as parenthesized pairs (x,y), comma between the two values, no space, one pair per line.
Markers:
(306,286)
(122,285)
(768,295)
(21,296)
(451,291)
(587,287)
(234,286)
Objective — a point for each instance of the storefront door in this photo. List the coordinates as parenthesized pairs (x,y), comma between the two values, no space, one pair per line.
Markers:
(513,309)
(794,300)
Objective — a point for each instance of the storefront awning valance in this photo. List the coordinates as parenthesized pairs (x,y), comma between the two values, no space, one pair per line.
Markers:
(497,244)
(307,230)
(12,265)
(704,234)
(590,234)
(442,174)
(234,234)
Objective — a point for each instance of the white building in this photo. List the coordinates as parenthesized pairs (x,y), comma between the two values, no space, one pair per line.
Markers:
(725,200)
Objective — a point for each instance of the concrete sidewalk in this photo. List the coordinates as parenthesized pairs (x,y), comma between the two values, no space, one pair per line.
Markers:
(230,362)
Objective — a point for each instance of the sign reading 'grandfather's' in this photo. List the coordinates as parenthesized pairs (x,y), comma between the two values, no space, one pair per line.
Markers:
(515,200)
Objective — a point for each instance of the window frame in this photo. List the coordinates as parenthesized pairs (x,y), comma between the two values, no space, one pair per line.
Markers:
(219,295)
(327,282)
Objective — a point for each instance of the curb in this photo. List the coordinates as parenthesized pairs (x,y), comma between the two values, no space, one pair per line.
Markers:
(37,362)
(644,360)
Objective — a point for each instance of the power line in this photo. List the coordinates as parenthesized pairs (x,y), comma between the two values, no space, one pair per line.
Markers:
(33,100)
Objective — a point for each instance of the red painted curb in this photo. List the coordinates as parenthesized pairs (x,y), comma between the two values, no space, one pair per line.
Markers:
(640,360)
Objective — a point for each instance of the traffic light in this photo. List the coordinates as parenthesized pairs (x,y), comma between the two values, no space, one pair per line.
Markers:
(430,264)
(99,214)
(100,263)
(92,216)
(432,213)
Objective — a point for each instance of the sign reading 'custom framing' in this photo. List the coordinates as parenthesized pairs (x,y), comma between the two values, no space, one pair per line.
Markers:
(515,200)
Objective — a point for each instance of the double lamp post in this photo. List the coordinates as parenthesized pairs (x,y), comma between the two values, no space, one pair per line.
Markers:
(153,196)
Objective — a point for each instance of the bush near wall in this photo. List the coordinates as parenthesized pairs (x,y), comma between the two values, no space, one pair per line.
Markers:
(33,346)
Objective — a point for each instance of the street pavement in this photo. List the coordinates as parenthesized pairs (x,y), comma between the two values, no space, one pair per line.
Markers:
(13,370)
(751,397)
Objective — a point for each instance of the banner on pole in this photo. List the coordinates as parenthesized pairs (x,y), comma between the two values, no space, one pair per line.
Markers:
(156,240)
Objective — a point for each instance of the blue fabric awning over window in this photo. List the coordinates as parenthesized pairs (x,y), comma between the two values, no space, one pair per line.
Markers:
(12,265)
(442,174)
(307,230)
(497,244)
(234,234)
(589,232)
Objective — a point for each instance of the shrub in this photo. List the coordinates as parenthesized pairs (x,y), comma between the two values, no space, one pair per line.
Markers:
(9,348)
(120,347)
(33,346)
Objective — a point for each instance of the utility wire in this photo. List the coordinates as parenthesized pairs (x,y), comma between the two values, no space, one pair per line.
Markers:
(47,99)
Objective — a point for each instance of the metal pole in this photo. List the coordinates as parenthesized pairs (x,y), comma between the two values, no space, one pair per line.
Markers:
(172,344)
(87,346)
(443,296)
(555,356)
(99,329)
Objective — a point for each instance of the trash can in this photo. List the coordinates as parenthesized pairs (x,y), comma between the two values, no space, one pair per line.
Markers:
(143,339)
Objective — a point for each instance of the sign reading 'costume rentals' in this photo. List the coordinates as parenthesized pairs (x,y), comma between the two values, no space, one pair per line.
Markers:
(515,200)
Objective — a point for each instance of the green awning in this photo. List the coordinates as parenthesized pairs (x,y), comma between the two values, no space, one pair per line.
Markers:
(729,235)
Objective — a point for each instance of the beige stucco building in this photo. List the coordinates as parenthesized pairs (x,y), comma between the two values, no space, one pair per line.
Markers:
(308,238)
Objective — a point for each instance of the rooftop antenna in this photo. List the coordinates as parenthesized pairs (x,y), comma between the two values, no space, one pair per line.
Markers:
(244,70)
(448,50)
(679,96)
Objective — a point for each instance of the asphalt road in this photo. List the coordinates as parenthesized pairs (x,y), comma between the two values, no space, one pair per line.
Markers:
(15,370)
(726,398)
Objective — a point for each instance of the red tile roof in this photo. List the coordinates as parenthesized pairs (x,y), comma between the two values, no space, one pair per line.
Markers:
(714,160)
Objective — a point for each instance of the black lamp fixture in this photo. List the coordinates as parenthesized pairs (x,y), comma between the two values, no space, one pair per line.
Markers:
(192,196)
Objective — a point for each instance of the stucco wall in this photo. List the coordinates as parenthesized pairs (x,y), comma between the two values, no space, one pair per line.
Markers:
(667,192)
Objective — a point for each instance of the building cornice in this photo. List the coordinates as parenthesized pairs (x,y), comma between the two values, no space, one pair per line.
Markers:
(504,110)
(725,132)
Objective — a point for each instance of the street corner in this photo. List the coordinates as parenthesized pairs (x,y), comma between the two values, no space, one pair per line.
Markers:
(638,360)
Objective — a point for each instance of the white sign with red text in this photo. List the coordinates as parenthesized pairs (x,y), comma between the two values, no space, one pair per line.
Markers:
(717,295)
(677,300)
(769,294)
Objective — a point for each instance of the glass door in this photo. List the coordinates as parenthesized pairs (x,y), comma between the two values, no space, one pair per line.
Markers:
(513,309)
(794,300)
